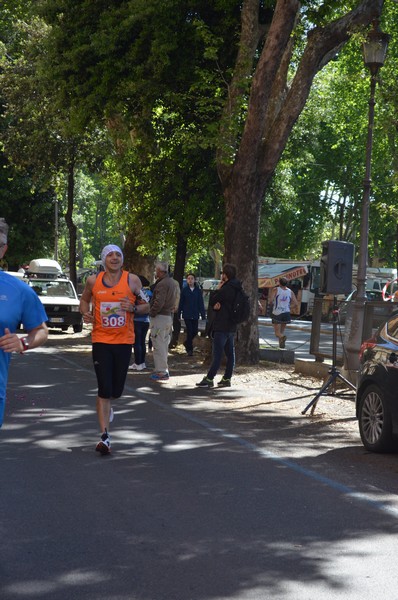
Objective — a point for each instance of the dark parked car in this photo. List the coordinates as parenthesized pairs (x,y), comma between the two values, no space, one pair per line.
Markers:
(377,390)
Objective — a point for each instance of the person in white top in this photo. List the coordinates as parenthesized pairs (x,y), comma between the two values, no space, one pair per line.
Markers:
(282,299)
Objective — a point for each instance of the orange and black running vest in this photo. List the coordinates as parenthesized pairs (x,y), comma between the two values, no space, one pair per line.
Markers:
(112,324)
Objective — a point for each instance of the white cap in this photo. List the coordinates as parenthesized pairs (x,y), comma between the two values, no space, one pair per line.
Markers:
(107,250)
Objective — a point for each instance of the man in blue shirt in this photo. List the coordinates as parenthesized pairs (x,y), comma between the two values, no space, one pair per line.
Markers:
(18,304)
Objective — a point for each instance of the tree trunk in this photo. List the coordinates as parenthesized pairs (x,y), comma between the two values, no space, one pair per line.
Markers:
(242,225)
(274,106)
(70,224)
(133,259)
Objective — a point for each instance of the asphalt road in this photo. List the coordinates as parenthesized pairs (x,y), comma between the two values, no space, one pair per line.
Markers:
(299,336)
(188,507)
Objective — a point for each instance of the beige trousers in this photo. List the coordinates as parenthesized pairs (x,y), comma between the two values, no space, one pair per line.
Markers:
(161,327)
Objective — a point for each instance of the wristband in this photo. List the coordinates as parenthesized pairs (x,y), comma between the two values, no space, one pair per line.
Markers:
(25,343)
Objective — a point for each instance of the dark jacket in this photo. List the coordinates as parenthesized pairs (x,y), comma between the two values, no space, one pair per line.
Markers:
(191,303)
(225,296)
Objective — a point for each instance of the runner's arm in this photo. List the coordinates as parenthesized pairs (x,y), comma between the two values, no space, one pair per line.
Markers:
(11,342)
(85,300)
(142,304)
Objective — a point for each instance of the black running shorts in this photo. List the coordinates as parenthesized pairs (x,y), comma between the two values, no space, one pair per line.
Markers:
(282,318)
(111,362)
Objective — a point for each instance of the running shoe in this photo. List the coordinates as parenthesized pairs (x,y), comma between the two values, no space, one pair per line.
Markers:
(104,445)
(206,382)
(224,382)
(133,367)
(160,376)
(141,367)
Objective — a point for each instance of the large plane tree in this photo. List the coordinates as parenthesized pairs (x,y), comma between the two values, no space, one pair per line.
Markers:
(258,60)
(279,64)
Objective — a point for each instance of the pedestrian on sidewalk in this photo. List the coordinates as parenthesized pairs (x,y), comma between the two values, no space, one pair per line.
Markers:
(223,328)
(19,305)
(113,295)
(283,298)
(141,326)
(163,305)
(191,308)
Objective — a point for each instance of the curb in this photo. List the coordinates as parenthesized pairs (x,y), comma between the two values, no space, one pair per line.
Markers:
(312,368)
(278,356)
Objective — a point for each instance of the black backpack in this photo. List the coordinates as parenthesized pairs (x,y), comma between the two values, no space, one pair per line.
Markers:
(240,307)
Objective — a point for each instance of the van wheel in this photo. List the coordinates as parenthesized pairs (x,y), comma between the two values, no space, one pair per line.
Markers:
(78,328)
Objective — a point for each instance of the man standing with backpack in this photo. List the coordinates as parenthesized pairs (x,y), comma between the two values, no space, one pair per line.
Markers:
(223,327)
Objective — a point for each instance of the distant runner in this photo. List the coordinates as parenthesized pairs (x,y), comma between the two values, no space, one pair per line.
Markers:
(113,294)
(282,299)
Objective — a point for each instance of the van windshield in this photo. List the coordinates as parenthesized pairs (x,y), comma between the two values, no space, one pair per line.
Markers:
(52,288)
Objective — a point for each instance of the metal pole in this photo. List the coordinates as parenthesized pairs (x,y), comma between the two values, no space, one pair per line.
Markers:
(56,237)
(355,327)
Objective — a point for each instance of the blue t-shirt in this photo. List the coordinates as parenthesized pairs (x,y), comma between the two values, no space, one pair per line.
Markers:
(19,303)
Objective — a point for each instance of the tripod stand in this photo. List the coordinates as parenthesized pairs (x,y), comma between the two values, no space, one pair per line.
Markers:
(334,372)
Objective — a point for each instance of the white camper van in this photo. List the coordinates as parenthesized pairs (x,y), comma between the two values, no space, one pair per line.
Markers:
(56,293)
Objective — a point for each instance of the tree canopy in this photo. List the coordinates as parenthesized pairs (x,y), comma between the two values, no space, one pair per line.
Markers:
(250,116)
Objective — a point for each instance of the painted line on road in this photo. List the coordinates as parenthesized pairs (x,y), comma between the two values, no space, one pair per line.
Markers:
(237,439)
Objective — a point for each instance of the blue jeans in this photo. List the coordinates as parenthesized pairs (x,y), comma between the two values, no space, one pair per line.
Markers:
(140,330)
(223,341)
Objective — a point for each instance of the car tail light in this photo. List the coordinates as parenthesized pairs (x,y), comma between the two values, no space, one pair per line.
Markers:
(366,345)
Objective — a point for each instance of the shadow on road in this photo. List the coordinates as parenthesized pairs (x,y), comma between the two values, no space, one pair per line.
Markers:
(200,500)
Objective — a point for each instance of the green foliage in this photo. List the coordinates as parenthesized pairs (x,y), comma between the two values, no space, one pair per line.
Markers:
(161,91)
(171,190)
(122,57)
(94,218)
(317,190)
(158,74)
(318,12)
(11,11)
(30,215)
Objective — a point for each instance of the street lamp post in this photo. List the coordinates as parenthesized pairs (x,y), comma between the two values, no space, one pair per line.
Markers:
(56,228)
(374,52)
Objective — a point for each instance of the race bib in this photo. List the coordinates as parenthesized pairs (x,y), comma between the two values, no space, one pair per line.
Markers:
(112,315)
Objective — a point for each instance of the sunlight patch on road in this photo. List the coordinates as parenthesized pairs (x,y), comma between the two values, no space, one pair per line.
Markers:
(36,588)
(38,386)
(181,445)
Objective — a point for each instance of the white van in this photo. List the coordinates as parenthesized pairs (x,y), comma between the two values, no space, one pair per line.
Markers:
(57,294)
